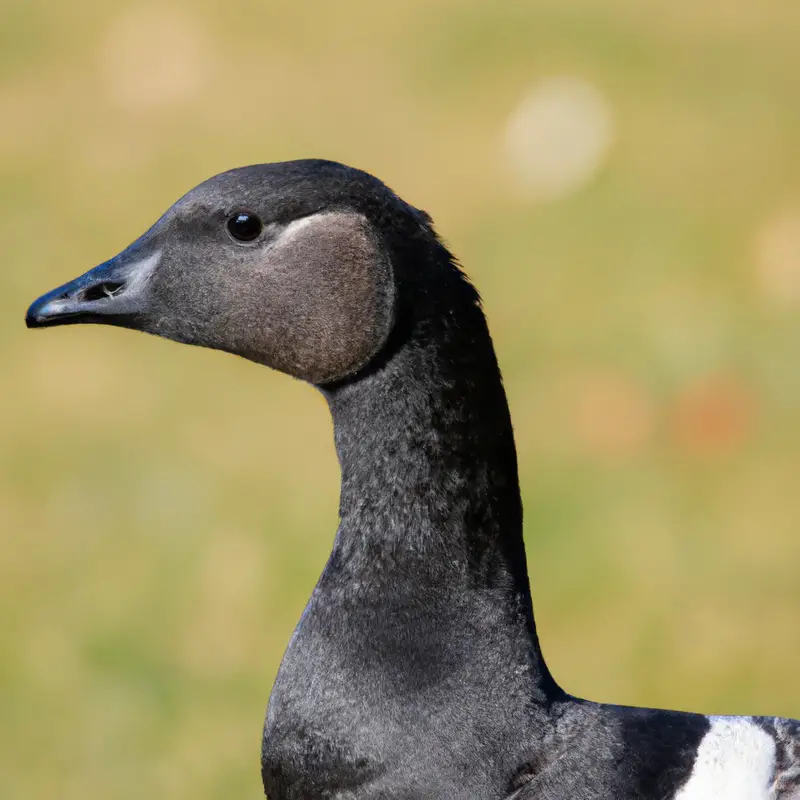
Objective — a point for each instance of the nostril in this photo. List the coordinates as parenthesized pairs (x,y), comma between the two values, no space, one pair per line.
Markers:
(102,290)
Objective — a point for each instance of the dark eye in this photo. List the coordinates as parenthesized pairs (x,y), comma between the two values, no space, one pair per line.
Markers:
(244,226)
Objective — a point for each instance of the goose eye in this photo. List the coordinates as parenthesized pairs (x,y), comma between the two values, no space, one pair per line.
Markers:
(244,227)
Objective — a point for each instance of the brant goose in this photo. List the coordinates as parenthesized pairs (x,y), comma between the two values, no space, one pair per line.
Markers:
(415,671)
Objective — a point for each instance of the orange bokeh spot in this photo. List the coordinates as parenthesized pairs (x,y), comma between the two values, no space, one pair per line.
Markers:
(712,415)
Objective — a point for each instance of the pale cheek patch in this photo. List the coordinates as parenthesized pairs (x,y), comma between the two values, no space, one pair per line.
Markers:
(735,761)
(297,225)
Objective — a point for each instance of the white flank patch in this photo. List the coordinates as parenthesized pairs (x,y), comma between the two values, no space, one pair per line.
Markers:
(735,761)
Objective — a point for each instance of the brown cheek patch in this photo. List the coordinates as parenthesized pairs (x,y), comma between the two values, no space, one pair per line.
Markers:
(329,297)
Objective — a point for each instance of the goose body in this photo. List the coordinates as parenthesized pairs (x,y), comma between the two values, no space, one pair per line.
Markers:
(415,670)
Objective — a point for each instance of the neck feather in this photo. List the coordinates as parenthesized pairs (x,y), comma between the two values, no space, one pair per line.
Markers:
(430,502)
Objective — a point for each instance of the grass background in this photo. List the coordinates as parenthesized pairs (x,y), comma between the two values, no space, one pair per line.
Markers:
(164,512)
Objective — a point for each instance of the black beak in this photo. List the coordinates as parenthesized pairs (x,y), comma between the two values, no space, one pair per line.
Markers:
(111,294)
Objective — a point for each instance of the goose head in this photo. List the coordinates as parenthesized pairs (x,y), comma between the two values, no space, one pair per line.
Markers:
(289,265)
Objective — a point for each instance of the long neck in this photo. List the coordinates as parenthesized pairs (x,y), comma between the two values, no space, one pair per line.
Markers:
(430,503)
(429,471)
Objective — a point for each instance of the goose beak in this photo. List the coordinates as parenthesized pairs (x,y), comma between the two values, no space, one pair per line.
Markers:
(111,294)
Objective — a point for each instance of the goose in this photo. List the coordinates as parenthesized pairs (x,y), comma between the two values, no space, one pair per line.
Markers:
(415,670)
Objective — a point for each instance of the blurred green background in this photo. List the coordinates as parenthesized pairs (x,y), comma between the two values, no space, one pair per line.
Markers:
(621,180)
